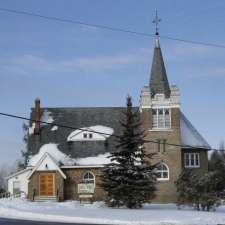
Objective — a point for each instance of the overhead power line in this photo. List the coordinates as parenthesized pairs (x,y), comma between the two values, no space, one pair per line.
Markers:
(19,12)
(97,132)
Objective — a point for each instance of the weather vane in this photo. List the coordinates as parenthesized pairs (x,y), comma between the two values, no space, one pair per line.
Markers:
(156,21)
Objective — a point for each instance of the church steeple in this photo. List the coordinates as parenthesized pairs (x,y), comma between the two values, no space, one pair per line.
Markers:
(158,80)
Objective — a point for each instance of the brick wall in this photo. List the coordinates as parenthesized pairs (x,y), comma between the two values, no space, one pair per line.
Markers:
(74,177)
(172,157)
(203,155)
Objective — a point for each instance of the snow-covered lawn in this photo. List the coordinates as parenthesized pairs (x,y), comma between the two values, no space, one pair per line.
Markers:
(73,211)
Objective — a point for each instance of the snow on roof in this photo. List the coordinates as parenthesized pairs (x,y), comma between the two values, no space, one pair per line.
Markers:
(190,136)
(18,173)
(107,131)
(101,159)
(46,117)
(54,128)
(60,157)
(31,128)
(54,152)
(48,161)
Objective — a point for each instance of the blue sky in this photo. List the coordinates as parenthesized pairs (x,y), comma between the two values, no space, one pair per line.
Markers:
(73,65)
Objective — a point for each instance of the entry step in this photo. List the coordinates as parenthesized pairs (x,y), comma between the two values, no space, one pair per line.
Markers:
(45,199)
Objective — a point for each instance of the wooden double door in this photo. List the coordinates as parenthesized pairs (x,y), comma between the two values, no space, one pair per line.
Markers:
(47,182)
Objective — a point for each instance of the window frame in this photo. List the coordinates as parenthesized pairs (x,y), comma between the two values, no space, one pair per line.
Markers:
(163,171)
(192,156)
(158,119)
(83,179)
(161,145)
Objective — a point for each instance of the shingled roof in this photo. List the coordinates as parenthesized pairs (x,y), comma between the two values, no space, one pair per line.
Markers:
(78,118)
(87,117)
(158,79)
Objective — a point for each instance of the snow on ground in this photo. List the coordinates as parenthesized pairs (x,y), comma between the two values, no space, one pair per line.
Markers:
(74,212)
(53,150)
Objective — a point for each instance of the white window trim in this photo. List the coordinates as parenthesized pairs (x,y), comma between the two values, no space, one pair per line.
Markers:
(164,120)
(90,179)
(189,159)
(161,171)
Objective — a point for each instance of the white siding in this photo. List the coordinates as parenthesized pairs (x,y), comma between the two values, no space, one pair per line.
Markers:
(88,134)
(22,178)
(47,164)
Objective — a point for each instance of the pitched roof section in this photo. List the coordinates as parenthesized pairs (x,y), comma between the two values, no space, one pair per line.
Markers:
(78,118)
(158,81)
(88,117)
(190,137)
(51,163)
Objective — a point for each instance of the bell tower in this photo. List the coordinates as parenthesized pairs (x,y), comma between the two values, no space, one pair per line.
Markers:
(160,114)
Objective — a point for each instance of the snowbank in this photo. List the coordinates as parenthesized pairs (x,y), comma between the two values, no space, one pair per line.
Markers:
(98,213)
(53,150)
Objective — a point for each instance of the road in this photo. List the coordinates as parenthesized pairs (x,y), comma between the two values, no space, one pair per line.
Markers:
(28,222)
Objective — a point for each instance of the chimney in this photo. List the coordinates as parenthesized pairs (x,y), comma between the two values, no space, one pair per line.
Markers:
(37,116)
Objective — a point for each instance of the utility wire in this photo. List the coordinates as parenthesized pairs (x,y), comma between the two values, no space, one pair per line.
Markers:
(19,12)
(97,132)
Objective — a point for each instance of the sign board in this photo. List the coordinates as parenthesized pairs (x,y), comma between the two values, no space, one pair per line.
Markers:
(85,196)
(86,188)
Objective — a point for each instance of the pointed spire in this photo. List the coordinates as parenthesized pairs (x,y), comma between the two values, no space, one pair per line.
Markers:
(158,81)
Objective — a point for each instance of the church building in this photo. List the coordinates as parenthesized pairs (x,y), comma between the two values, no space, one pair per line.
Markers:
(65,164)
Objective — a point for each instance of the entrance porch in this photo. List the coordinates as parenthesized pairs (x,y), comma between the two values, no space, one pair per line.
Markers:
(46,186)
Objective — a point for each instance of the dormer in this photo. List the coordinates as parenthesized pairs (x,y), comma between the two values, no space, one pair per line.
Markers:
(93,133)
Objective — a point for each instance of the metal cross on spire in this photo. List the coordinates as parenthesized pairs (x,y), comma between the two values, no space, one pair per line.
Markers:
(156,21)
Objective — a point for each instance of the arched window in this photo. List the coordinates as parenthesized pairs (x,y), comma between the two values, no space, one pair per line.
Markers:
(88,178)
(162,171)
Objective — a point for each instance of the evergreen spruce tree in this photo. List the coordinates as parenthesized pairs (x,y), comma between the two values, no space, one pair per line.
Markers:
(129,180)
(217,167)
(197,190)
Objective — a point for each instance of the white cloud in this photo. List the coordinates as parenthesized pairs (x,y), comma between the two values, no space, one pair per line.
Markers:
(27,64)
(183,51)
(193,59)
